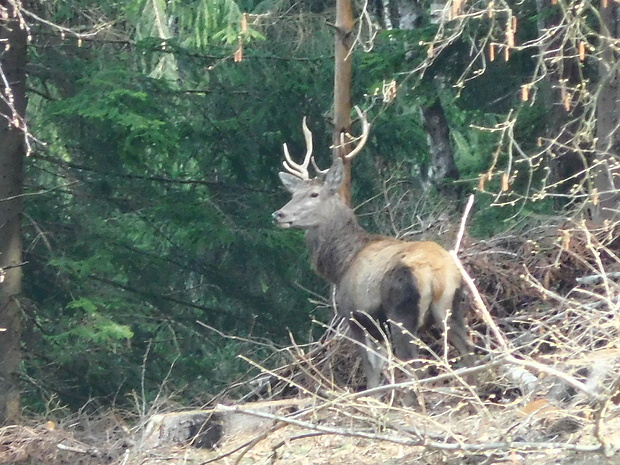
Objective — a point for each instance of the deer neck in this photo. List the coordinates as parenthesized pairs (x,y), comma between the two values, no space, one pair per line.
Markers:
(334,244)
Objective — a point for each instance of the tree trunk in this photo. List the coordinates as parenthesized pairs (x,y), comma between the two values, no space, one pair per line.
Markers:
(342,90)
(567,162)
(13,40)
(442,166)
(606,199)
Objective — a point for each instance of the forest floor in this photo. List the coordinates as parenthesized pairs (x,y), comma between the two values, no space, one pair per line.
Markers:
(334,435)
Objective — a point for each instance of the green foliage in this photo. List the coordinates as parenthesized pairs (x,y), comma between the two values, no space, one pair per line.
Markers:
(93,329)
(196,23)
(155,212)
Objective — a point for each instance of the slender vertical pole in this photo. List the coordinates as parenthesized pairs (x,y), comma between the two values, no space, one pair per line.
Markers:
(342,89)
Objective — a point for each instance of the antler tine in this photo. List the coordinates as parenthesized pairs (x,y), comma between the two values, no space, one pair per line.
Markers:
(300,169)
(295,169)
(308,138)
(363,137)
(318,170)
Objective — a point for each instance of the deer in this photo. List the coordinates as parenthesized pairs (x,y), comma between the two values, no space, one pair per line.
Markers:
(378,281)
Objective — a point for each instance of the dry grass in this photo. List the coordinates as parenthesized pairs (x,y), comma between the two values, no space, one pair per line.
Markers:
(79,439)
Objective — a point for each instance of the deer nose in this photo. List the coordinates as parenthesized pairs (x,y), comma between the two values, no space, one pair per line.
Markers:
(277,216)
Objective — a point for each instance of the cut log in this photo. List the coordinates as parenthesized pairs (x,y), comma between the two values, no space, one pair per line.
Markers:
(205,428)
(199,428)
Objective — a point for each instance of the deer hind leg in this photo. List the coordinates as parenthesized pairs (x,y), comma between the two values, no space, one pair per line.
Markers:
(402,304)
(454,326)
(370,337)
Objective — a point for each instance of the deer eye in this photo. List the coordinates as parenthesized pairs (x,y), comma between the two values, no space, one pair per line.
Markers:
(314,195)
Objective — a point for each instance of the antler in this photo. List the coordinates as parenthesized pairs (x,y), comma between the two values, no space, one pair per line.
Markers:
(296,169)
(361,140)
(301,169)
(318,170)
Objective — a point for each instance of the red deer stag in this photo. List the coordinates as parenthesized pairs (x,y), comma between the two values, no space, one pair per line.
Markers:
(380,282)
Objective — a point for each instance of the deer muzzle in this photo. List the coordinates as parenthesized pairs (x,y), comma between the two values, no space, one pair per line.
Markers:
(279,219)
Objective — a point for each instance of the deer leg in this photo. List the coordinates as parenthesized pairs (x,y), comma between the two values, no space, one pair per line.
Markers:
(403,305)
(403,328)
(374,362)
(368,334)
(402,302)
(454,326)
(458,333)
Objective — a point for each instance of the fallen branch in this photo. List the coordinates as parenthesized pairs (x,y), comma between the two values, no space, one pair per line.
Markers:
(595,278)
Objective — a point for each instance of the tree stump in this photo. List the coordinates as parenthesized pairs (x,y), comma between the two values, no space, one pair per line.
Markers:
(205,428)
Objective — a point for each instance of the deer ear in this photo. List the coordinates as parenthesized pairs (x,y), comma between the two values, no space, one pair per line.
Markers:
(335,176)
(291,183)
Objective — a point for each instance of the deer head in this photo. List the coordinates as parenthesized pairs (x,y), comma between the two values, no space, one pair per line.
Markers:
(315,199)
